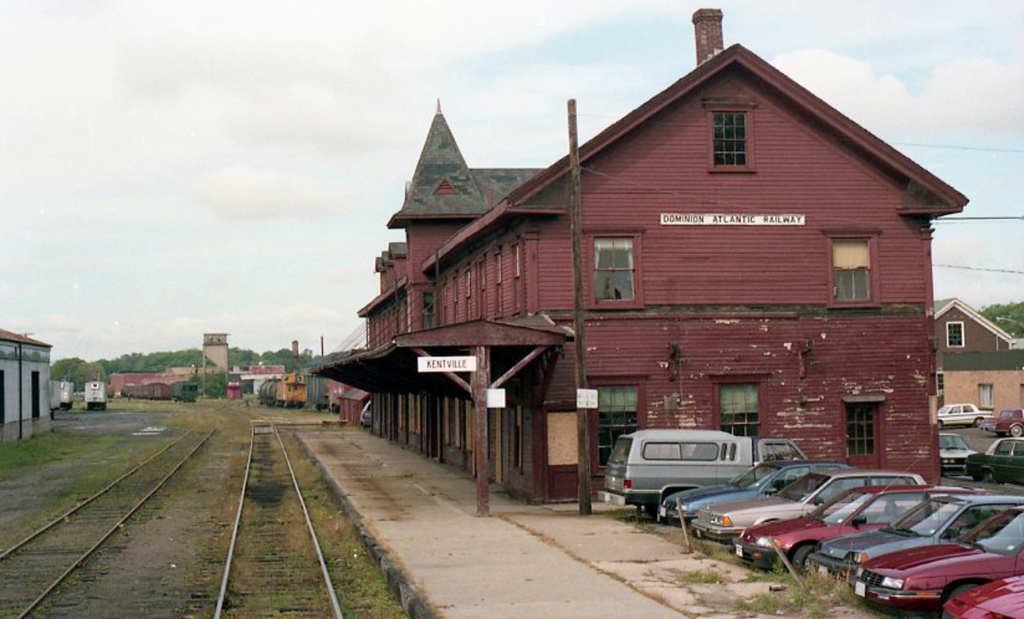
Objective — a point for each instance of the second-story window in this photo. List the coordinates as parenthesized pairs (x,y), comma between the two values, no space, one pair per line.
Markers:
(614,270)
(428,310)
(497,286)
(851,270)
(954,335)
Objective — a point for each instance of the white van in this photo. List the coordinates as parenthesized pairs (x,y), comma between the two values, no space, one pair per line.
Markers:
(648,465)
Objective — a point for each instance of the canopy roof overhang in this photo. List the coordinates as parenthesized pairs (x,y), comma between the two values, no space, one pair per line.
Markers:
(392,368)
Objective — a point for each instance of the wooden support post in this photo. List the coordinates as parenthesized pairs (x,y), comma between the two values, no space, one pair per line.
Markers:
(481,380)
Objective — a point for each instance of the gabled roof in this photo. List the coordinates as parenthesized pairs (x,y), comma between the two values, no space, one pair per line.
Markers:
(926,194)
(976,316)
(10,336)
(444,187)
(379,300)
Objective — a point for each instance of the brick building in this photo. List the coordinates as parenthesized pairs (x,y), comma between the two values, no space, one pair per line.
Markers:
(753,261)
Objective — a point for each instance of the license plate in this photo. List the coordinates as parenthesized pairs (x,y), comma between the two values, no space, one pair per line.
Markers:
(860,588)
(739,551)
(696,533)
(822,570)
(663,512)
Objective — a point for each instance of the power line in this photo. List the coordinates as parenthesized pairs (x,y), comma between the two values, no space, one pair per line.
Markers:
(985,149)
(953,266)
(997,218)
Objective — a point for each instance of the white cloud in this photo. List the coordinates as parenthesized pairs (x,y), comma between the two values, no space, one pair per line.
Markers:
(970,95)
(241,192)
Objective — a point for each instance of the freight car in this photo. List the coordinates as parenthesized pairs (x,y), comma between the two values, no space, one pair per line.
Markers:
(267,393)
(184,391)
(148,391)
(317,397)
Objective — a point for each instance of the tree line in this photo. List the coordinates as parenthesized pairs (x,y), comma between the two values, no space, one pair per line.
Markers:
(81,371)
(1009,316)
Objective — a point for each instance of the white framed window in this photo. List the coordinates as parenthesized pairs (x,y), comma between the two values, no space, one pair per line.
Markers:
(940,384)
(954,334)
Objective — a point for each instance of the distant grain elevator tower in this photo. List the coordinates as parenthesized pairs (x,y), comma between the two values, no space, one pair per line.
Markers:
(215,351)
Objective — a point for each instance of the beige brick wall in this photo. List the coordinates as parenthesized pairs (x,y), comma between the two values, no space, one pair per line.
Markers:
(1008,388)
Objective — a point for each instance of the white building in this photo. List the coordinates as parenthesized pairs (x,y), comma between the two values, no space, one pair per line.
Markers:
(24,386)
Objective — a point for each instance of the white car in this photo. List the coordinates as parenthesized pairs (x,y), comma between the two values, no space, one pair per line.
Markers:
(953,452)
(962,415)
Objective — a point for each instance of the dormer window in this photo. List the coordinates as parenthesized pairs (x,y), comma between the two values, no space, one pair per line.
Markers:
(445,188)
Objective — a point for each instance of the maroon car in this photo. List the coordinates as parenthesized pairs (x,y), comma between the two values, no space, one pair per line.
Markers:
(922,579)
(1000,599)
(1009,421)
(858,509)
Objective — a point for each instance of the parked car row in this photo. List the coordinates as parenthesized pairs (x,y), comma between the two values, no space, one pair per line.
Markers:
(904,546)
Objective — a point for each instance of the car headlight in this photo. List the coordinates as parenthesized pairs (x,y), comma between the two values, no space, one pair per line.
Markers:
(764,542)
(892,583)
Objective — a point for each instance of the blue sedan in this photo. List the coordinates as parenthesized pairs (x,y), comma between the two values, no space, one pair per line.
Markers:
(762,480)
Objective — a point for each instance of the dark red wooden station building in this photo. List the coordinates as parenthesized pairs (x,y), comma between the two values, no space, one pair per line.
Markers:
(754,261)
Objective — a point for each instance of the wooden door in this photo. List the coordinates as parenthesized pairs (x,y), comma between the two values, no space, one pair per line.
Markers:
(862,435)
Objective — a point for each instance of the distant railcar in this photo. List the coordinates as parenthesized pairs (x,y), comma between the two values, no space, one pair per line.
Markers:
(317,397)
(267,393)
(291,391)
(184,391)
(148,391)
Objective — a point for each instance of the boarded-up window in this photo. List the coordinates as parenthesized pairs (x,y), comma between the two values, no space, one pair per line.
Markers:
(562,444)
(851,268)
(616,414)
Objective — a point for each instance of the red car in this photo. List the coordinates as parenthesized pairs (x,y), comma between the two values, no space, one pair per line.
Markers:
(858,509)
(1009,421)
(922,579)
(1002,599)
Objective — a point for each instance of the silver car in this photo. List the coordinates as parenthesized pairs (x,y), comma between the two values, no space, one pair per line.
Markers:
(724,522)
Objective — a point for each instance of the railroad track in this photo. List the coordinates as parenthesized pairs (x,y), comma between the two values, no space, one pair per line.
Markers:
(32,570)
(272,568)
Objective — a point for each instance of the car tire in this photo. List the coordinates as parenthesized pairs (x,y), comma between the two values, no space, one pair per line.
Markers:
(1016,430)
(958,590)
(977,422)
(799,559)
(988,477)
(941,425)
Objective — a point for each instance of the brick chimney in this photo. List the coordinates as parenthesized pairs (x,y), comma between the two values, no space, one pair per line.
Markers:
(707,26)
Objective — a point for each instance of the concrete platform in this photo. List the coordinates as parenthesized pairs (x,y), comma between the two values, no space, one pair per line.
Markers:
(523,561)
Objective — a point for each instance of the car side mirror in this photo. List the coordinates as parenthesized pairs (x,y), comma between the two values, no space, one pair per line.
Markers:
(771,490)
(859,521)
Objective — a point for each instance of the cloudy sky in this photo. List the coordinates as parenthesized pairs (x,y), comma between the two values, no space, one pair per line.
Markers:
(174,168)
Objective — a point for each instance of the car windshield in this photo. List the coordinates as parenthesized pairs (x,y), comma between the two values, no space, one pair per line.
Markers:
(753,477)
(840,508)
(952,442)
(803,486)
(925,519)
(1002,534)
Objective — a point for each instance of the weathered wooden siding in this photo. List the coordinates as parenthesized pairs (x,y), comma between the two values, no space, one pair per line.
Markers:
(809,409)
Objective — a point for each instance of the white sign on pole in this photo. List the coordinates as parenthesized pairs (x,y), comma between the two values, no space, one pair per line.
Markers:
(586,398)
(495,398)
(446,364)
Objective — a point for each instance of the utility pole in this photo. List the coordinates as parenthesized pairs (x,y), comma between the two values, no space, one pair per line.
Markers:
(576,227)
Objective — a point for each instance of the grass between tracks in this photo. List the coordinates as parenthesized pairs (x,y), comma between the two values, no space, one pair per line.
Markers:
(360,587)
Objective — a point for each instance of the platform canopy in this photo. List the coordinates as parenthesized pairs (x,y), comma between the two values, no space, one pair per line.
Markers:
(392,368)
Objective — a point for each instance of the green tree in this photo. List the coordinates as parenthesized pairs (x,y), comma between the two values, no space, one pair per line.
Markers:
(72,369)
(1009,316)
(214,385)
